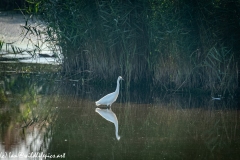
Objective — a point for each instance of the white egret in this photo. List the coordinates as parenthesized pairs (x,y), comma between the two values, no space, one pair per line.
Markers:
(111,97)
(109,115)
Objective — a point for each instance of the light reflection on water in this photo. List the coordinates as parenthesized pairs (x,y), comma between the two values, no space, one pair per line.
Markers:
(15,143)
(167,127)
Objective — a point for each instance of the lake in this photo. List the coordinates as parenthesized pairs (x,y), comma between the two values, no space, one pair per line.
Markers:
(43,116)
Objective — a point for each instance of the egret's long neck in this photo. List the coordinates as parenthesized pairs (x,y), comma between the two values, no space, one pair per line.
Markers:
(117,89)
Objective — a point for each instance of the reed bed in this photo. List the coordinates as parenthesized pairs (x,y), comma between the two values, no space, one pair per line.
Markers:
(172,44)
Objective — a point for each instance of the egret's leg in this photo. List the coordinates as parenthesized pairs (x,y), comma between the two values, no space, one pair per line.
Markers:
(109,106)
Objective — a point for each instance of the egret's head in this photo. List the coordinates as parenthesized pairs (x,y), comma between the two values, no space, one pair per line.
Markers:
(120,78)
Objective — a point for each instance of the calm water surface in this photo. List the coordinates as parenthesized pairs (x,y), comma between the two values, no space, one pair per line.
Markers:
(41,116)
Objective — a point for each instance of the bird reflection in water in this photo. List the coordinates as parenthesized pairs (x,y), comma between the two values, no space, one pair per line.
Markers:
(109,115)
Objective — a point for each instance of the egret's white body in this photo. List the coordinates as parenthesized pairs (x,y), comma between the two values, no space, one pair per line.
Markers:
(111,97)
(109,115)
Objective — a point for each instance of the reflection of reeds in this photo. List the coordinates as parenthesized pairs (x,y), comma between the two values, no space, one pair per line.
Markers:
(183,130)
(25,123)
(171,127)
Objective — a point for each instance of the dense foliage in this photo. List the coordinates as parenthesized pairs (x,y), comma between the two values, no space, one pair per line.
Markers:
(173,44)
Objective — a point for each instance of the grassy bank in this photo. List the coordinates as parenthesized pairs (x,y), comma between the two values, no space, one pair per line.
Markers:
(172,44)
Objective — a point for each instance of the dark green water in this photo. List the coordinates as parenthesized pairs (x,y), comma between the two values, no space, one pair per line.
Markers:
(40,115)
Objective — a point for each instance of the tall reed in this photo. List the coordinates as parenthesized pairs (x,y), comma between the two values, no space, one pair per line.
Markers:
(172,44)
